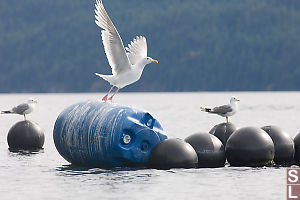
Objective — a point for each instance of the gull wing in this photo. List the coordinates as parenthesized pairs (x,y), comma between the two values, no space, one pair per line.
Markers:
(137,49)
(222,109)
(20,109)
(113,45)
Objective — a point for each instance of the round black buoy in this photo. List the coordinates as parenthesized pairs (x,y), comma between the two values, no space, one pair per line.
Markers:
(223,131)
(173,153)
(283,143)
(297,149)
(249,146)
(25,135)
(209,149)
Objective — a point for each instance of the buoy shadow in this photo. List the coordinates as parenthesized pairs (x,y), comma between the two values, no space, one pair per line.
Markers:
(113,177)
(73,170)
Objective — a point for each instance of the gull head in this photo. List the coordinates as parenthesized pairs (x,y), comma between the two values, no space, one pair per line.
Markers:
(149,60)
(32,100)
(233,99)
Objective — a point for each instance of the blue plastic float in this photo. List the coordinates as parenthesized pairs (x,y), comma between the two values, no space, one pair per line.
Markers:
(93,133)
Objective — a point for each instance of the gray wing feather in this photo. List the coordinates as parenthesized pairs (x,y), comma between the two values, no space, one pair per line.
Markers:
(222,109)
(20,109)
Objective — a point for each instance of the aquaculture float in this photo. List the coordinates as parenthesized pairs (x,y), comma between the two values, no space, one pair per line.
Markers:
(103,134)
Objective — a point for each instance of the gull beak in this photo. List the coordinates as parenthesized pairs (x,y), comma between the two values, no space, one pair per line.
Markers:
(154,61)
(238,100)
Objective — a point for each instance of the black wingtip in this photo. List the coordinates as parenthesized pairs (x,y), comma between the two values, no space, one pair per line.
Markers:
(5,112)
(205,109)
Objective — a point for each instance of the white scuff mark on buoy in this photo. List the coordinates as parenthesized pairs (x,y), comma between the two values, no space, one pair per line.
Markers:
(116,124)
(96,129)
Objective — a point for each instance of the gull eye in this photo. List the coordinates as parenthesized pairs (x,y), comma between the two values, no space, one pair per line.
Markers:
(147,58)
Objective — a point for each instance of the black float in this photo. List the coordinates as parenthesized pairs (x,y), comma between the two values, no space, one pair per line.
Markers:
(25,135)
(250,146)
(173,153)
(297,149)
(283,143)
(209,149)
(223,131)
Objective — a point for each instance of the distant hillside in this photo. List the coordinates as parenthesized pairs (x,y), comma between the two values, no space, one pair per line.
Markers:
(55,46)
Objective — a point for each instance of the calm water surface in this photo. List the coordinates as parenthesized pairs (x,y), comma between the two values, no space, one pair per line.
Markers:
(46,175)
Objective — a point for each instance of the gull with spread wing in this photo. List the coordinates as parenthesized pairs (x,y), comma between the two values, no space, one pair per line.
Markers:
(225,110)
(127,64)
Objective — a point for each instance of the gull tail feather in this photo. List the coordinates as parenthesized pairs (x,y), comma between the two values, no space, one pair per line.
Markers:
(205,109)
(105,77)
(6,112)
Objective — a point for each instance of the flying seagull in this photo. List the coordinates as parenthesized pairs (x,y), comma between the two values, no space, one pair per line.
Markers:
(128,63)
(22,109)
(225,110)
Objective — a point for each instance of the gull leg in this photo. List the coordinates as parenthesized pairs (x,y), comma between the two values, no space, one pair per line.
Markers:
(227,119)
(105,97)
(25,117)
(110,98)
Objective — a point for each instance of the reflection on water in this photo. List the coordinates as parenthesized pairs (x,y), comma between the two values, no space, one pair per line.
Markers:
(73,170)
(25,152)
(22,152)
(79,170)
(107,176)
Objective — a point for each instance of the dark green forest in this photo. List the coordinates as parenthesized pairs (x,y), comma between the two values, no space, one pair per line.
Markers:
(201,45)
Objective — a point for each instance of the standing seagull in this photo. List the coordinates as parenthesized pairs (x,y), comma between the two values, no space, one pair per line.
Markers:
(127,65)
(225,110)
(22,109)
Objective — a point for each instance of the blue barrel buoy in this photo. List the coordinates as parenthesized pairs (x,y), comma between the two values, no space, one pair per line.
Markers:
(106,135)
